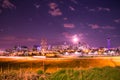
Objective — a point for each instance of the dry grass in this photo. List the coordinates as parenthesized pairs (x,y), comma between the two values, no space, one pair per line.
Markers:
(27,69)
(52,65)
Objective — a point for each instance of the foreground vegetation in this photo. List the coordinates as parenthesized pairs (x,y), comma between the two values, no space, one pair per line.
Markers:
(89,68)
(50,65)
(105,73)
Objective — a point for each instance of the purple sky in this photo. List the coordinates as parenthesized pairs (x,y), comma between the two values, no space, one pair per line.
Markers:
(25,22)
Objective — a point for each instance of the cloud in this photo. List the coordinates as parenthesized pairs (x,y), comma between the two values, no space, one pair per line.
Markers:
(53,5)
(71,8)
(74,1)
(67,35)
(8,4)
(54,10)
(37,5)
(96,26)
(65,18)
(103,9)
(15,39)
(24,40)
(8,38)
(117,20)
(69,26)
(31,40)
(10,41)
(98,9)
(108,27)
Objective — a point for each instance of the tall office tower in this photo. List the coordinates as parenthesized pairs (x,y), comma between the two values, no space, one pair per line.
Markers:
(43,44)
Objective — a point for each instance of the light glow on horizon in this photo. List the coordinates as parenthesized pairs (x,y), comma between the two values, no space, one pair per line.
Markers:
(75,39)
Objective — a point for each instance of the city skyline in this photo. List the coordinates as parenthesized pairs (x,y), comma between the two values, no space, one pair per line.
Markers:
(26,22)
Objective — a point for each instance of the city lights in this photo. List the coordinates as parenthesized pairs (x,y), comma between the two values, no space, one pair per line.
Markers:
(75,39)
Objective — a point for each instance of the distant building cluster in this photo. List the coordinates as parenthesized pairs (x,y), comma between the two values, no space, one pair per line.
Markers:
(79,49)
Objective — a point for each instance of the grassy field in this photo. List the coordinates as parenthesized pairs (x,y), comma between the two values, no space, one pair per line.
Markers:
(104,73)
(28,67)
(53,64)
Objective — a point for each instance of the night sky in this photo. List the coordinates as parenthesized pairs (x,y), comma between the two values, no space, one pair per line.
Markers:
(26,22)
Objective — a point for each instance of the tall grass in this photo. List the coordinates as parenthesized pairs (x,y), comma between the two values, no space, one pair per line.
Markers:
(105,73)
(48,65)
(66,69)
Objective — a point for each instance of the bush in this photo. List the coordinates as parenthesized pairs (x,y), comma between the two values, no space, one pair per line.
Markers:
(40,72)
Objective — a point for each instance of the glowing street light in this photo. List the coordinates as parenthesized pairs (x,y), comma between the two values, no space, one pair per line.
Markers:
(75,39)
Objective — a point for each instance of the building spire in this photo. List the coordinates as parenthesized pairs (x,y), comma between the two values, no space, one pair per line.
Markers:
(108,43)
